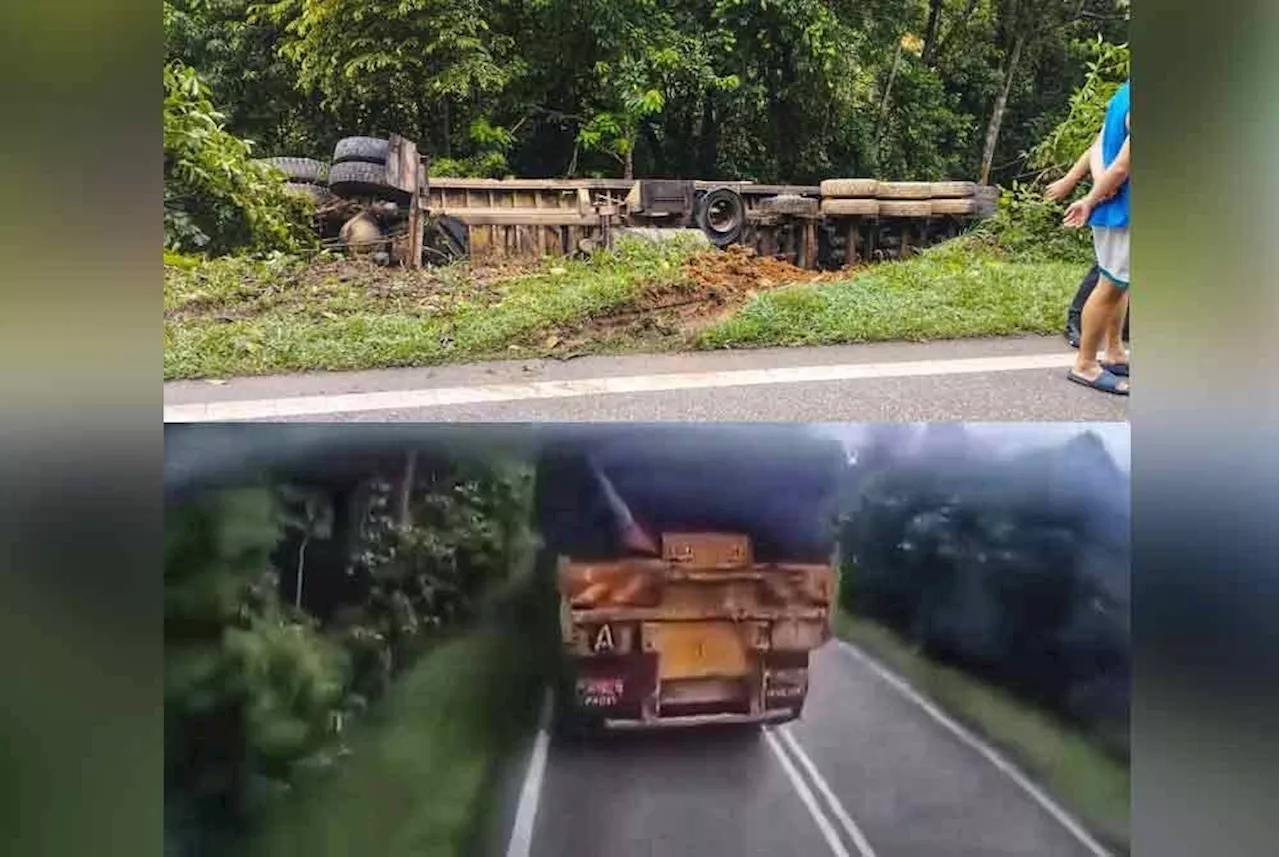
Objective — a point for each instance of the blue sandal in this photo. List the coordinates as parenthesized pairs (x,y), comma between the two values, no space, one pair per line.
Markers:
(1106,382)
(1120,370)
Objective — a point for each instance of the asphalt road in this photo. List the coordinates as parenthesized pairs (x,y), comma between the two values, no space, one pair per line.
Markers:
(1009,379)
(866,772)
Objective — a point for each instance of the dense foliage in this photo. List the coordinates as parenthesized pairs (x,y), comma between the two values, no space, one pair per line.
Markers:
(1108,67)
(1014,567)
(217,198)
(771,90)
(289,609)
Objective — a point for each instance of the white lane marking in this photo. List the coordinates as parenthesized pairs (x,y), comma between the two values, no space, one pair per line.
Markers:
(982,748)
(521,840)
(837,809)
(810,802)
(433,397)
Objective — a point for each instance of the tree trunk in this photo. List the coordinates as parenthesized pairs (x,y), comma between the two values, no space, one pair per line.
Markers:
(628,166)
(709,142)
(406,488)
(448,136)
(884,102)
(302,555)
(930,52)
(573,161)
(997,111)
(655,145)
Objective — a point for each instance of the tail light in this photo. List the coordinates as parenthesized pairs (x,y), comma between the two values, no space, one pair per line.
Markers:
(594,585)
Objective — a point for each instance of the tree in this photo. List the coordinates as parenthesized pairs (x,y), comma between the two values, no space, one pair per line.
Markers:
(399,66)
(216,197)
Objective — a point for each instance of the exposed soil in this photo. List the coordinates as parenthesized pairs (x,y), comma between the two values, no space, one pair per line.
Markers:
(714,284)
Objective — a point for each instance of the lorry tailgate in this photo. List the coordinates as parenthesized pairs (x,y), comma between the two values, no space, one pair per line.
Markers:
(692,650)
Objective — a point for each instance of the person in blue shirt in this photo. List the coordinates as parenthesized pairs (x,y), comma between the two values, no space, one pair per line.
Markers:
(1106,209)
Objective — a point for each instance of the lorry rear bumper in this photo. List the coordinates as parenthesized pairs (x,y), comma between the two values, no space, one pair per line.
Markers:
(776,715)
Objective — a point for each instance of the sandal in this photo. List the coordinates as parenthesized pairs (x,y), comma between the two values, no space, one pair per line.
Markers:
(1118,369)
(1106,382)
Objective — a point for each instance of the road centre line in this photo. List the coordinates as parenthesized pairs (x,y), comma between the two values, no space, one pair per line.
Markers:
(837,808)
(806,795)
(982,748)
(431,397)
(520,842)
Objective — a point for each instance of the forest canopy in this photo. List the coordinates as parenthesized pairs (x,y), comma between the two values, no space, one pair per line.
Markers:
(766,90)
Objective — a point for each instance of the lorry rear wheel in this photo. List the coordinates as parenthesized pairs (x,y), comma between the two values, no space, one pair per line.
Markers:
(721,215)
(367,150)
(306,170)
(568,721)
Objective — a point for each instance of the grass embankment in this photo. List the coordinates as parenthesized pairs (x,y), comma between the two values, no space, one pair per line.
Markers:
(242,317)
(239,317)
(1076,771)
(959,289)
(423,763)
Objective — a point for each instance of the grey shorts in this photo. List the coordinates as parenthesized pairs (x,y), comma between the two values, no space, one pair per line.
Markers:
(1111,249)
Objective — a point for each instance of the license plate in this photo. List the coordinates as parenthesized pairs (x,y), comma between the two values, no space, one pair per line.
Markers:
(786,684)
(600,692)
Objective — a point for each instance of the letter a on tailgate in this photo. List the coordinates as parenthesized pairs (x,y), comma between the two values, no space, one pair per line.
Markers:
(604,640)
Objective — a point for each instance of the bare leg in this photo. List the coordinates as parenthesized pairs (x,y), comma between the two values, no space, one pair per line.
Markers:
(1113,343)
(1099,311)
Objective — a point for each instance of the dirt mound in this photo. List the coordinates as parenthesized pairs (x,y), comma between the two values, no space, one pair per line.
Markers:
(713,284)
(738,270)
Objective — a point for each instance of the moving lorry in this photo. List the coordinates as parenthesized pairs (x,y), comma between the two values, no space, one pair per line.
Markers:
(693,571)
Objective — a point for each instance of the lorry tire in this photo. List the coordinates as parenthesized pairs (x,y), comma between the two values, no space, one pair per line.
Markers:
(357,178)
(570,723)
(903,190)
(789,203)
(721,215)
(848,188)
(851,207)
(952,206)
(905,208)
(319,194)
(306,170)
(366,150)
(951,190)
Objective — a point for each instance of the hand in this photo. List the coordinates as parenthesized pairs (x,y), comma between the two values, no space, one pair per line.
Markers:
(1078,213)
(1058,190)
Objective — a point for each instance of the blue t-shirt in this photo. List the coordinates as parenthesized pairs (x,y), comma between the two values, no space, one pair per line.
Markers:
(1114,211)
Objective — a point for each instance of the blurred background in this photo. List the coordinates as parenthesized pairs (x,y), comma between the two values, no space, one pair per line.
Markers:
(357,636)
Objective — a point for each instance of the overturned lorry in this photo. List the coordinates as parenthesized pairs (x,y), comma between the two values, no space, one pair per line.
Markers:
(375,198)
(693,573)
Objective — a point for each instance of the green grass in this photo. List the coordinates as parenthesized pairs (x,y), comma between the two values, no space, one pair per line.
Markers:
(1087,781)
(241,317)
(422,766)
(959,289)
(229,317)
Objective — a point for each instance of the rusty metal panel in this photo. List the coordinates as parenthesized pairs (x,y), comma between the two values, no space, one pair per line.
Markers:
(402,164)
(707,549)
(701,691)
(696,649)
(794,635)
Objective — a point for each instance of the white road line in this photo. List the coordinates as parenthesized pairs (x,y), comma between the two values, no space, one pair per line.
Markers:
(982,748)
(837,809)
(810,802)
(432,397)
(521,840)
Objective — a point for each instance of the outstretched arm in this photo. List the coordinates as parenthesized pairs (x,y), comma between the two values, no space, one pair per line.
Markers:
(1111,180)
(1063,186)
